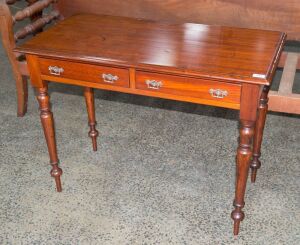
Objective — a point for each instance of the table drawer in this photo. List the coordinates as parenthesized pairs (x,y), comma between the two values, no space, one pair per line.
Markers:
(189,87)
(85,72)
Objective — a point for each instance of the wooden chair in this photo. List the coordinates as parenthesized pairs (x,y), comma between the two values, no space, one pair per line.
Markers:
(201,11)
(10,39)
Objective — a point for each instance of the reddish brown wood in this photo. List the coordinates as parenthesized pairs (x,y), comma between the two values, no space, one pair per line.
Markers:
(34,71)
(132,90)
(249,103)
(30,2)
(90,105)
(46,117)
(258,135)
(192,49)
(34,8)
(190,87)
(23,97)
(257,14)
(243,162)
(86,72)
(279,17)
(19,67)
(188,59)
(11,1)
(48,126)
(36,15)
(6,28)
(37,25)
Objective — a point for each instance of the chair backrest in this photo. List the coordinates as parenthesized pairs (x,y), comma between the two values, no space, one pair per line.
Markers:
(258,14)
(7,22)
(6,29)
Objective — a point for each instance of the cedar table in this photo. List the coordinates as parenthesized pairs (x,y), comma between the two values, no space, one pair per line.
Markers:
(213,65)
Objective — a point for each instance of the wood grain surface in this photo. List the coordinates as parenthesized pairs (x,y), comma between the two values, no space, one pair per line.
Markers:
(190,87)
(259,14)
(217,52)
(86,72)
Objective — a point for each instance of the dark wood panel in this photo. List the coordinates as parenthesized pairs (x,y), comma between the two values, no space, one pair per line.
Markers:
(216,52)
(259,14)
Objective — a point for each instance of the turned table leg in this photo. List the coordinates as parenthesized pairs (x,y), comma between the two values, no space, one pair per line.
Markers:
(90,104)
(258,135)
(48,126)
(243,158)
(248,113)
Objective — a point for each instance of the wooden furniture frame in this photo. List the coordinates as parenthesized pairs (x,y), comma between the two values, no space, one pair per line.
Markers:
(275,17)
(10,39)
(212,65)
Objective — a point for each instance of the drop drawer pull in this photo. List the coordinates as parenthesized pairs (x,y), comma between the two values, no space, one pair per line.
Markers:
(218,93)
(55,70)
(153,84)
(109,78)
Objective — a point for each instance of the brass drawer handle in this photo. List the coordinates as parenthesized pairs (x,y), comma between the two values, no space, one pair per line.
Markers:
(218,93)
(55,70)
(153,84)
(109,78)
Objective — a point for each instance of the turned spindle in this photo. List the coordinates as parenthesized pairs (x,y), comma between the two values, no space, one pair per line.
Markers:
(258,135)
(90,105)
(244,154)
(29,11)
(248,116)
(11,1)
(35,26)
(48,126)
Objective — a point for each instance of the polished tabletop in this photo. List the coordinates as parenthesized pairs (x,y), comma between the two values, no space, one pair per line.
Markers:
(235,54)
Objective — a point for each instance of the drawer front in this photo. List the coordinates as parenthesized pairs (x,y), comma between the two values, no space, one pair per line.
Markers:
(189,87)
(85,72)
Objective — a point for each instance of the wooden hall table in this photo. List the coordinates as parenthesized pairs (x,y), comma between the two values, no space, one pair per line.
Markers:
(212,65)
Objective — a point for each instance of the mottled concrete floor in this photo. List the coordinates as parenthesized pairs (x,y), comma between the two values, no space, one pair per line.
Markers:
(163,174)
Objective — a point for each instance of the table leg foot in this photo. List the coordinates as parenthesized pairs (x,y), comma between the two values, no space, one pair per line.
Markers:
(56,172)
(258,135)
(93,133)
(255,165)
(237,215)
(90,104)
(244,153)
(48,126)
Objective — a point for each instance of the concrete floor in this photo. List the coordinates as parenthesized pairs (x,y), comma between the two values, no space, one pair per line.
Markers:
(164,173)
